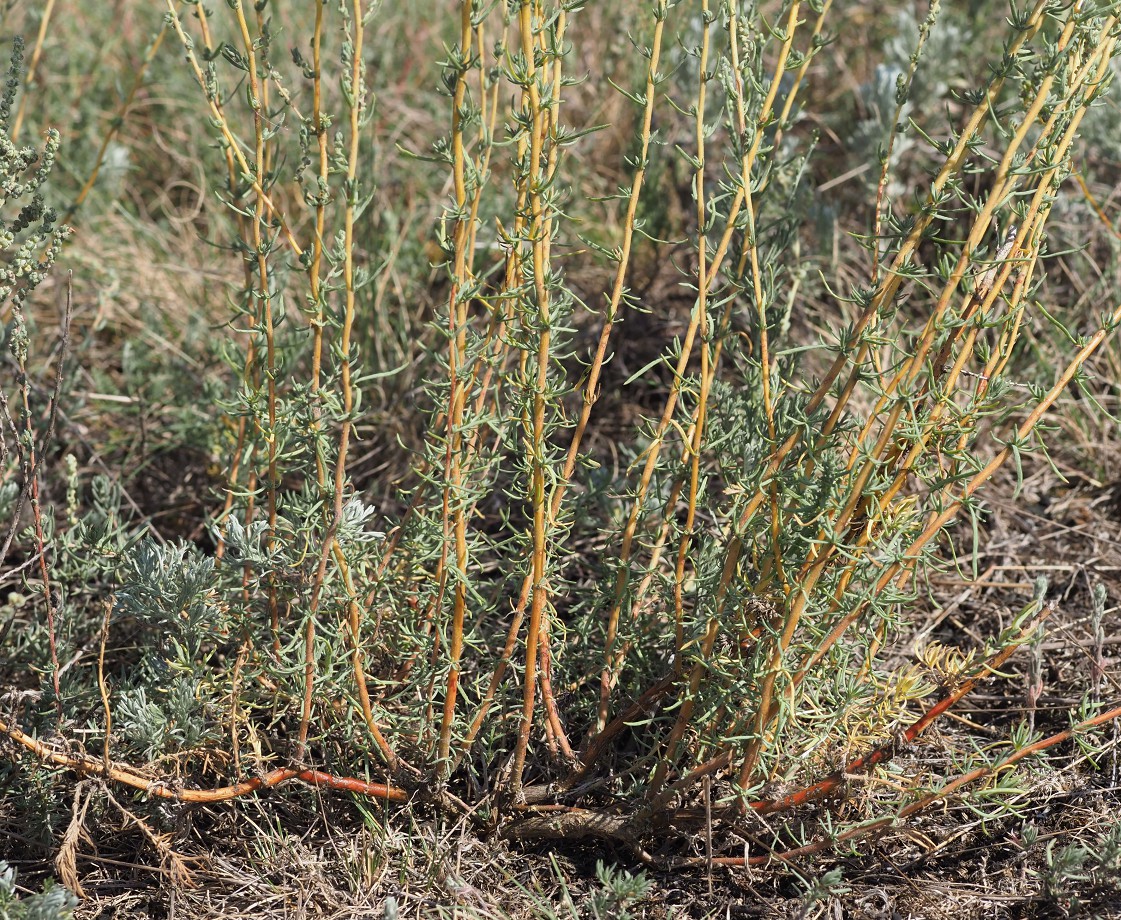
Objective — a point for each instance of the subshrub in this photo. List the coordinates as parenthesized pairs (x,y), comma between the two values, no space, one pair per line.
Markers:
(586,613)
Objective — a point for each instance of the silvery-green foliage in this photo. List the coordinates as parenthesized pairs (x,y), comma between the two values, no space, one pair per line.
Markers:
(942,60)
(898,89)
(1082,876)
(32,240)
(870,134)
(98,538)
(619,893)
(52,903)
(1102,125)
(247,544)
(9,493)
(100,524)
(163,717)
(822,888)
(141,721)
(355,520)
(171,589)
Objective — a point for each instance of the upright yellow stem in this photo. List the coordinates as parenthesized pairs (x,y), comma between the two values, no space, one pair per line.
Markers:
(455,501)
(537,460)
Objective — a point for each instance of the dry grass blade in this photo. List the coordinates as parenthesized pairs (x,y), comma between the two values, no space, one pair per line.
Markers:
(66,861)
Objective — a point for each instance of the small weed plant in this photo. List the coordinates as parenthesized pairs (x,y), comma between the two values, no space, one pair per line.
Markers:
(657,541)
